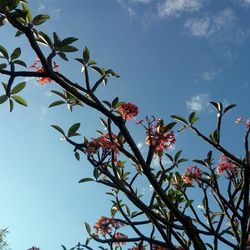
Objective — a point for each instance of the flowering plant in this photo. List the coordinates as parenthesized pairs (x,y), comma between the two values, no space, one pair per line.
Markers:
(168,218)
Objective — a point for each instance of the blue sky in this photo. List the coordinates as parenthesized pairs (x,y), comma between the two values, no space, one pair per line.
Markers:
(173,56)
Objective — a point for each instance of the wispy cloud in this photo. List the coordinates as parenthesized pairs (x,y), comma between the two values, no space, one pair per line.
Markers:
(198,103)
(175,8)
(209,76)
(206,26)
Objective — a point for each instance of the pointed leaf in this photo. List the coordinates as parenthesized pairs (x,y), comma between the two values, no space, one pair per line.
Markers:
(58,129)
(20,100)
(229,107)
(3,98)
(20,62)
(179,118)
(19,87)
(86,55)
(3,66)
(57,103)
(4,52)
(39,19)
(86,180)
(73,129)
(16,53)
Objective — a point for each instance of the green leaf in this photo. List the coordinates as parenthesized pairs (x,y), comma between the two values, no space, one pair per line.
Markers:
(44,39)
(63,56)
(4,52)
(3,98)
(229,107)
(19,87)
(73,129)
(170,126)
(28,12)
(13,4)
(20,62)
(177,155)
(16,53)
(18,33)
(56,39)
(67,41)
(57,103)
(11,105)
(20,100)
(58,93)
(179,118)
(88,229)
(58,129)
(86,180)
(77,156)
(39,19)
(4,86)
(86,55)
(3,66)
(67,48)
(192,118)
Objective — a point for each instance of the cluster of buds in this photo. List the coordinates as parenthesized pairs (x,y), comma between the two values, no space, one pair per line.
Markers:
(192,173)
(158,135)
(38,68)
(128,111)
(226,165)
(109,226)
(105,145)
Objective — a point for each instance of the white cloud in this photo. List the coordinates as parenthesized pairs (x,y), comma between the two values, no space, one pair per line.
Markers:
(141,1)
(222,22)
(198,103)
(198,27)
(126,6)
(140,145)
(174,8)
(209,75)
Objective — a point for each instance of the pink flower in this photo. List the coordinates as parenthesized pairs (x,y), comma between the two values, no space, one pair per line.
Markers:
(192,173)
(120,236)
(158,136)
(40,69)
(225,164)
(106,225)
(128,111)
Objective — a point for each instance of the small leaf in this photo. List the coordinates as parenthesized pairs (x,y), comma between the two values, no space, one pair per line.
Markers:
(77,156)
(170,126)
(18,33)
(179,118)
(20,62)
(3,98)
(177,155)
(86,180)
(58,129)
(39,19)
(88,229)
(86,55)
(229,107)
(19,87)
(63,56)
(20,100)
(16,53)
(73,129)
(67,41)
(11,105)
(57,103)
(56,39)
(4,52)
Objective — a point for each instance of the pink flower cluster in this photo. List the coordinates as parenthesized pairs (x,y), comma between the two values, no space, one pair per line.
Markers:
(128,111)
(240,120)
(105,144)
(109,226)
(38,68)
(192,173)
(226,165)
(138,248)
(157,134)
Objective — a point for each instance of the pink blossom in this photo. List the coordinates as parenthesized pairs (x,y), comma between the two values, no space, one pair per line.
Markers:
(192,173)
(225,164)
(128,111)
